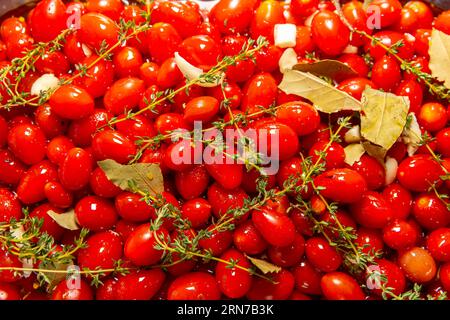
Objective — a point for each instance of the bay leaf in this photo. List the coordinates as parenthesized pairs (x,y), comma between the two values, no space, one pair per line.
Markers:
(66,220)
(383,117)
(439,52)
(326,68)
(53,278)
(264,266)
(353,153)
(379,153)
(324,96)
(146,177)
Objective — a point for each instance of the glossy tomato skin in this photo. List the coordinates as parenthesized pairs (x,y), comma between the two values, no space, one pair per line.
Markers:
(163,41)
(57,149)
(124,95)
(372,171)
(194,286)
(275,139)
(101,185)
(138,285)
(418,172)
(399,234)
(48,224)
(11,168)
(321,255)
(192,183)
(131,207)
(329,32)
(372,211)
(31,187)
(71,102)
(386,73)
(438,244)
(231,17)
(109,144)
(96,28)
(264,290)
(7,259)
(66,291)
(185,19)
(141,238)
(307,278)
(82,131)
(369,240)
(430,212)
(395,278)
(196,211)
(110,8)
(338,181)
(57,195)
(9,292)
(98,78)
(201,109)
(223,200)
(47,20)
(201,51)
(102,251)
(417,264)
(95,213)
(399,199)
(340,286)
(27,142)
(390,11)
(267,15)
(260,90)
(290,255)
(50,123)
(302,117)
(248,239)
(277,229)
(233,282)
(75,170)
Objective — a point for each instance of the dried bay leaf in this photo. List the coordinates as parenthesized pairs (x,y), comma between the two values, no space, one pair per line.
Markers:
(326,68)
(439,52)
(264,266)
(375,151)
(53,278)
(66,220)
(353,153)
(324,96)
(146,177)
(383,118)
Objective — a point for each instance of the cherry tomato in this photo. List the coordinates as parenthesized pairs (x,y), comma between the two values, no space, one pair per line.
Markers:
(336,183)
(47,20)
(329,33)
(418,264)
(277,229)
(95,213)
(144,237)
(231,16)
(66,290)
(340,286)
(232,281)
(194,286)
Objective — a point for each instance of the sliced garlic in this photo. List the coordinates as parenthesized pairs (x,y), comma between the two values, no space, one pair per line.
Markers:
(191,72)
(353,135)
(285,35)
(350,49)
(391,166)
(86,50)
(287,60)
(309,19)
(44,83)
(411,136)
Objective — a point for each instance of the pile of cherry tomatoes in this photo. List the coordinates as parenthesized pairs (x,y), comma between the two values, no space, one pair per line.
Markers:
(49,152)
